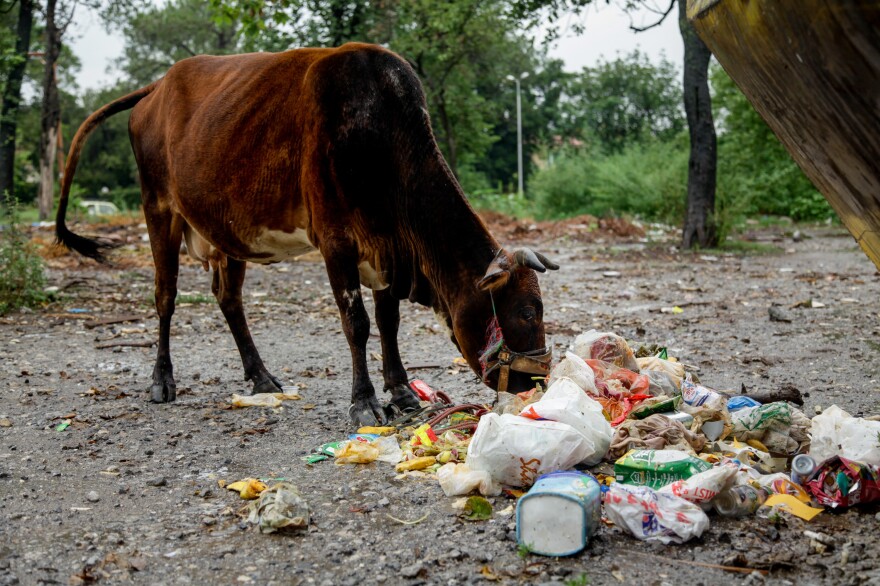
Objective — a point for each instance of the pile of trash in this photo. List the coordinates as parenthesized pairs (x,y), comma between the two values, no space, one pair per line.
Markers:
(679,450)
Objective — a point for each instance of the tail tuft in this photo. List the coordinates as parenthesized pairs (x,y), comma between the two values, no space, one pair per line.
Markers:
(94,249)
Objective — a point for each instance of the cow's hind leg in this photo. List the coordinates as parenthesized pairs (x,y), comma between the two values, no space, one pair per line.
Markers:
(341,259)
(228,279)
(388,322)
(165,231)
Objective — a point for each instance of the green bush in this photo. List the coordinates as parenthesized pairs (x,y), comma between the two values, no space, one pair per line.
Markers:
(21,269)
(648,180)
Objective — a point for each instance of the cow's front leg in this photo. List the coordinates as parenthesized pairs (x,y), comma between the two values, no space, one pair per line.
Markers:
(344,279)
(388,322)
(228,279)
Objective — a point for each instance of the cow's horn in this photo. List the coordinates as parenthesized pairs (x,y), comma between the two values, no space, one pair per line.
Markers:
(548,264)
(525,257)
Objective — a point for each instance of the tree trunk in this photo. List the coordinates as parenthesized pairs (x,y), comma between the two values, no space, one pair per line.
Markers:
(699,225)
(51,115)
(12,99)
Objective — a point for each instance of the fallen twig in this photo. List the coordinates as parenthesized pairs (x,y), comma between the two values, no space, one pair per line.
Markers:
(116,320)
(144,344)
(403,522)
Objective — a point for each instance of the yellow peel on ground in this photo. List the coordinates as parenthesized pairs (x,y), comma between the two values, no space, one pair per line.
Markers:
(416,464)
(248,489)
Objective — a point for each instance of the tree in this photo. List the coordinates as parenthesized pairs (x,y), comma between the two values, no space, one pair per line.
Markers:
(50,117)
(12,98)
(628,100)
(755,170)
(699,223)
(159,36)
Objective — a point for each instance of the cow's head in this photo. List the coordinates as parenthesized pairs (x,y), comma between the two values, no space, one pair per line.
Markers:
(509,351)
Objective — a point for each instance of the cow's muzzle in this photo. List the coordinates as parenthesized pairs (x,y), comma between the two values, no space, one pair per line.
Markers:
(535,362)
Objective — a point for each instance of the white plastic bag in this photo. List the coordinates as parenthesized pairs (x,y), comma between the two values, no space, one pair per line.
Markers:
(457,479)
(607,347)
(835,432)
(565,402)
(574,368)
(515,450)
(654,516)
(702,487)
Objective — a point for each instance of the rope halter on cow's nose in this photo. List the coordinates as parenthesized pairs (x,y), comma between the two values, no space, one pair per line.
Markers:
(497,356)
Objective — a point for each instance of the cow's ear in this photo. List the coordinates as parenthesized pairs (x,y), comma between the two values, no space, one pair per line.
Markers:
(497,275)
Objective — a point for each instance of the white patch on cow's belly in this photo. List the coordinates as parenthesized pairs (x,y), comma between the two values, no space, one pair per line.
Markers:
(370,278)
(444,324)
(280,245)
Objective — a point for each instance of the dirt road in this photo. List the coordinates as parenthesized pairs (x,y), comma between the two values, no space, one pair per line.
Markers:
(129,492)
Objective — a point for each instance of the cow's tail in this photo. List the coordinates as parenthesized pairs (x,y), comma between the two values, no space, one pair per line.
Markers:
(85,246)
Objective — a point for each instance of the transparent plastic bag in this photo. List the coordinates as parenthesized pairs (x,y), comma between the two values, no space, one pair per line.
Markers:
(565,402)
(575,368)
(515,450)
(459,479)
(607,347)
(835,432)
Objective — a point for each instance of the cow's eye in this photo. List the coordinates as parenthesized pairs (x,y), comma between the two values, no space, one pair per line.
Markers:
(528,313)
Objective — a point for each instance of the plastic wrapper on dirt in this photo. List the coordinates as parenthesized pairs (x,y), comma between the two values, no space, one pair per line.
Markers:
(459,479)
(383,449)
(515,450)
(840,482)
(279,507)
(653,516)
(566,402)
(574,368)
(657,468)
(674,371)
(775,425)
(702,488)
(607,347)
(655,432)
(835,432)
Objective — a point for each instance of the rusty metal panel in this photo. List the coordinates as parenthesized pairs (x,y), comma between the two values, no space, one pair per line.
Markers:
(811,68)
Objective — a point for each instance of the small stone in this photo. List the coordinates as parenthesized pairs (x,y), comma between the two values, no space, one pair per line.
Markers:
(412,570)
(157,481)
(5,422)
(92,496)
(383,502)
(208,521)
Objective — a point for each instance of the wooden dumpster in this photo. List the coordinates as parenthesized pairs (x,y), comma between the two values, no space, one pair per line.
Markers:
(811,68)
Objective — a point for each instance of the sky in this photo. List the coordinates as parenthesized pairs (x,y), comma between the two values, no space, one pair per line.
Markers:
(606,34)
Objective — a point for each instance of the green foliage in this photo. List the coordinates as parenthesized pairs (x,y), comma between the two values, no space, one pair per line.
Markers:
(523,550)
(648,180)
(629,100)
(582,580)
(21,269)
(756,174)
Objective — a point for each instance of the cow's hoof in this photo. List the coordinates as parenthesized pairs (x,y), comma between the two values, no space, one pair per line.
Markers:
(365,412)
(270,384)
(404,398)
(163,392)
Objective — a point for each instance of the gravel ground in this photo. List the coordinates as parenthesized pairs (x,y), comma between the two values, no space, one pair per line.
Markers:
(128,492)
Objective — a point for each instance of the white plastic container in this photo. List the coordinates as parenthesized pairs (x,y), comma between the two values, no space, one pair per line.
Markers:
(559,514)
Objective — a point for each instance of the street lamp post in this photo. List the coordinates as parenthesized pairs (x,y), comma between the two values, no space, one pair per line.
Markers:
(519,148)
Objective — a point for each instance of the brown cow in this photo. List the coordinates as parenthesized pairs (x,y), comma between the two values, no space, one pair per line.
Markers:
(262,157)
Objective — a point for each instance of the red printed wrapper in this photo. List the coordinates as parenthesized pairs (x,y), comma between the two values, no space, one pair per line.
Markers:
(423,391)
(839,482)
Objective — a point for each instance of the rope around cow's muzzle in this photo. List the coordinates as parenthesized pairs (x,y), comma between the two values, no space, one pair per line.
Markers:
(497,356)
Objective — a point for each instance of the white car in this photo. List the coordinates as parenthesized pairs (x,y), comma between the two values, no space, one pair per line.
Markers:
(94,207)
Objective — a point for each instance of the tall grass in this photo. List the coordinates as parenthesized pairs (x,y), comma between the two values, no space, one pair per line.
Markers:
(21,269)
